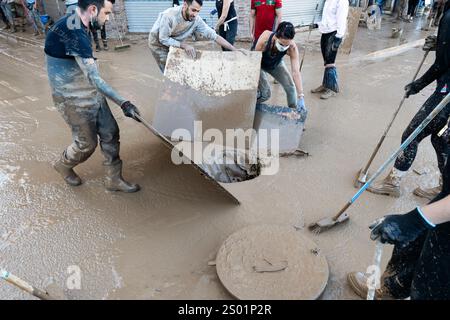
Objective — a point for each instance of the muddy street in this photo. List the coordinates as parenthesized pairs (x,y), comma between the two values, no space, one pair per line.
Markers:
(156,244)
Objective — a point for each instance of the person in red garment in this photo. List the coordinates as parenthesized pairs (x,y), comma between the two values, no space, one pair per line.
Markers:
(265,15)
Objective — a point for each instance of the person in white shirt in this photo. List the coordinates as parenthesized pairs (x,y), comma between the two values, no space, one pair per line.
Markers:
(333,27)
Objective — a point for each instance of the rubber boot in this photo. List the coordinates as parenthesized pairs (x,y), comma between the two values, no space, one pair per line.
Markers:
(358,282)
(429,193)
(66,171)
(114,180)
(319,89)
(390,185)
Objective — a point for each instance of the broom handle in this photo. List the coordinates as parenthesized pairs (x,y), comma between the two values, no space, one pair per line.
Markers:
(377,148)
(376,264)
(402,147)
(25,286)
(309,34)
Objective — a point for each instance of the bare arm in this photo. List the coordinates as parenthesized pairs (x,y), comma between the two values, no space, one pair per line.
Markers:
(225,9)
(225,44)
(261,44)
(439,211)
(295,67)
(252,23)
(279,17)
(90,70)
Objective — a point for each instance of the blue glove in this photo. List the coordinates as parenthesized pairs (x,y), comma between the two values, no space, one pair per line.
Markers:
(301,104)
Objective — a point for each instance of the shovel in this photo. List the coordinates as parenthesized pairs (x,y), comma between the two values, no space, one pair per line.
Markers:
(342,216)
(361,178)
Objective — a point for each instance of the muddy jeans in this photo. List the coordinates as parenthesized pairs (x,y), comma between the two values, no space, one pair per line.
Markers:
(230,34)
(422,269)
(330,76)
(282,75)
(405,160)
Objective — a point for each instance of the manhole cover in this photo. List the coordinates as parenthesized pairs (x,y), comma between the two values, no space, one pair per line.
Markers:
(271,262)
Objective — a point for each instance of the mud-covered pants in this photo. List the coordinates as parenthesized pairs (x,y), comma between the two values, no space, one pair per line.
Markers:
(90,125)
(405,160)
(422,269)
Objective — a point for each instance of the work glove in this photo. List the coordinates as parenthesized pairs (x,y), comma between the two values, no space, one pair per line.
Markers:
(130,110)
(413,88)
(300,104)
(400,230)
(313,26)
(336,43)
(430,43)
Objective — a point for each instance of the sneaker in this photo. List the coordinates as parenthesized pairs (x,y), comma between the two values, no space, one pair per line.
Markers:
(319,89)
(328,94)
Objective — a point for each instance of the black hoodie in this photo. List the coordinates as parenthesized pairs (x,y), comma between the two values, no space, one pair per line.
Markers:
(440,70)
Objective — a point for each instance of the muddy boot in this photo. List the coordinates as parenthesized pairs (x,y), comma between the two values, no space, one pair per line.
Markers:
(429,193)
(358,282)
(13,29)
(390,185)
(105,45)
(319,89)
(97,47)
(66,171)
(327,94)
(114,180)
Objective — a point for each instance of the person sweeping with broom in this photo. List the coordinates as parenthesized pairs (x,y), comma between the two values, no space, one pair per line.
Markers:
(439,71)
(419,267)
(333,27)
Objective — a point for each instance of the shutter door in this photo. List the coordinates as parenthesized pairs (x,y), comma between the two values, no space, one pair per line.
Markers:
(301,12)
(142,14)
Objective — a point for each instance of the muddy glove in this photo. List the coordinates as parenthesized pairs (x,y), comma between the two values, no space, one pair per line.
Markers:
(430,43)
(414,88)
(336,43)
(130,110)
(400,229)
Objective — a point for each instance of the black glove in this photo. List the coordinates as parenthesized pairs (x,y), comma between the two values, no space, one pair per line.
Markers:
(430,43)
(413,88)
(313,26)
(336,43)
(399,230)
(130,110)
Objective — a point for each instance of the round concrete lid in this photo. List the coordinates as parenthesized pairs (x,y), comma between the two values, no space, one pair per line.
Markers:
(271,262)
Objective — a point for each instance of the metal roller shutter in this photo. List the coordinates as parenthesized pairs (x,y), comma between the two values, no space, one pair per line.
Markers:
(301,12)
(142,14)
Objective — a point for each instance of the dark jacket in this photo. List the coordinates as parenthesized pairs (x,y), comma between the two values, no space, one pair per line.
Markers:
(440,70)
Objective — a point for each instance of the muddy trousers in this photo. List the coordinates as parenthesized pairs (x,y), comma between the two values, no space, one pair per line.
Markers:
(422,269)
(95,35)
(3,17)
(405,160)
(330,77)
(282,75)
(90,125)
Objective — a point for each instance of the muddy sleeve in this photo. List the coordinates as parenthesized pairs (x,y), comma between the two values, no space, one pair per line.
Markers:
(442,63)
(90,70)
(205,31)
(165,31)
